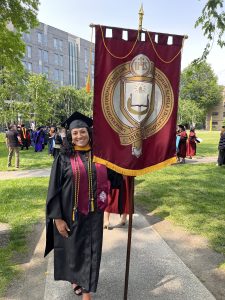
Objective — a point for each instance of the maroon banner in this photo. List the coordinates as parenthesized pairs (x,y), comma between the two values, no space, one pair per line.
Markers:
(135,99)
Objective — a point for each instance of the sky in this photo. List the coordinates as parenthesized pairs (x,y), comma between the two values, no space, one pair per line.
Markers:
(168,16)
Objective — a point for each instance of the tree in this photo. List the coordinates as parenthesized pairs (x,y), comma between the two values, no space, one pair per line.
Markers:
(199,84)
(12,95)
(189,113)
(212,22)
(40,94)
(69,100)
(16,16)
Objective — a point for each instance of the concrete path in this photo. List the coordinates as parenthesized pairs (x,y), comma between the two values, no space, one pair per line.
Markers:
(156,272)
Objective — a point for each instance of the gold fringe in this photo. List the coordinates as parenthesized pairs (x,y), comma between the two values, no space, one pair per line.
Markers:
(129,172)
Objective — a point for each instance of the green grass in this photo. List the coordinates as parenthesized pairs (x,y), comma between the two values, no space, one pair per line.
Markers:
(209,145)
(28,158)
(189,195)
(22,204)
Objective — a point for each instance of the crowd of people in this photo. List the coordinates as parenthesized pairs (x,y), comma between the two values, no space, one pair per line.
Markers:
(18,137)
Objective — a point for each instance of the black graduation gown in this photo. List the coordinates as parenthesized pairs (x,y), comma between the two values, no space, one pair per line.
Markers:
(76,258)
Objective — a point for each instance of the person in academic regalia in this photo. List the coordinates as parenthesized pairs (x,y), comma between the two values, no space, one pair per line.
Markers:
(191,143)
(221,148)
(39,137)
(77,196)
(182,148)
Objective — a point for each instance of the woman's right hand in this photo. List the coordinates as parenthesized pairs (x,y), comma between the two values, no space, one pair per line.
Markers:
(62,227)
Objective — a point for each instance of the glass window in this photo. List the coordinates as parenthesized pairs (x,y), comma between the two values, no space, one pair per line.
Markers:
(215,113)
(56,57)
(61,60)
(29,51)
(40,37)
(60,43)
(40,68)
(61,77)
(56,74)
(92,70)
(46,69)
(214,123)
(40,54)
(45,39)
(224,114)
(55,44)
(93,57)
(45,56)
(29,66)
(85,56)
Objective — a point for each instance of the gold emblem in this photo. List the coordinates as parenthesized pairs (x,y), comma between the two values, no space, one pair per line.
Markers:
(137,100)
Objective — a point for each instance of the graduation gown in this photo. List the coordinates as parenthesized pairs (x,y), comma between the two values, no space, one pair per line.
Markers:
(76,258)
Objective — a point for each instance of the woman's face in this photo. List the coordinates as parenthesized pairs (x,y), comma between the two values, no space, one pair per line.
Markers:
(80,136)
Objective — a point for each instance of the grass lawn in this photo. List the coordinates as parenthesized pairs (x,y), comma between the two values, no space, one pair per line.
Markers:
(209,145)
(22,204)
(28,158)
(189,195)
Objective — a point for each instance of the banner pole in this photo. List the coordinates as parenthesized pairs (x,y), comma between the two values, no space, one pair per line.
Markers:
(131,209)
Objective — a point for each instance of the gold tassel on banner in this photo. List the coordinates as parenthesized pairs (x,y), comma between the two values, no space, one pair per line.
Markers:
(88,82)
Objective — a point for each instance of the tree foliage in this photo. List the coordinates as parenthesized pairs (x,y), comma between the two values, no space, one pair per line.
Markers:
(189,113)
(16,16)
(199,84)
(212,21)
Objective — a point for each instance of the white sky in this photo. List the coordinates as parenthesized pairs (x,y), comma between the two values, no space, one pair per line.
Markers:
(169,16)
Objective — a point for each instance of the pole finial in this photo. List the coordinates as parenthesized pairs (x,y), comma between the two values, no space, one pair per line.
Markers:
(141,14)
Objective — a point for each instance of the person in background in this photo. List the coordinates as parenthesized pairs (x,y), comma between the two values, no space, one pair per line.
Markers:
(13,145)
(191,143)
(182,148)
(77,196)
(24,135)
(221,147)
(57,143)
(51,139)
(39,137)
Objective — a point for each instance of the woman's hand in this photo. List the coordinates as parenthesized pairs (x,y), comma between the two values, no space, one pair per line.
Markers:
(62,227)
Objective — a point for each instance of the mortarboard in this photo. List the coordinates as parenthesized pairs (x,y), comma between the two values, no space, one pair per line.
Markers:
(77,120)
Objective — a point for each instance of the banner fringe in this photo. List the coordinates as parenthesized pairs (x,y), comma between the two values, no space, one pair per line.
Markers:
(129,172)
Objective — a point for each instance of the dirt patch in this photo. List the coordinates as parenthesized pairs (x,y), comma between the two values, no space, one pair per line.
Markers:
(194,251)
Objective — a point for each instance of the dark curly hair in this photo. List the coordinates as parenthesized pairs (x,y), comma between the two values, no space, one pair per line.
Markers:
(67,145)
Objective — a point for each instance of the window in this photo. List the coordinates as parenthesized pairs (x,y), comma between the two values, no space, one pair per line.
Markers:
(60,44)
(26,37)
(56,74)
(92,70)
(40,37)
(85,56)
(29,67)
(55,44)
(46,69)
(40,68)
(224,114)
(215,113)
(40,54)
(45,54)
(214,123)
(56,59)
(29,51)
(93,57)
(61,77)
(61,60)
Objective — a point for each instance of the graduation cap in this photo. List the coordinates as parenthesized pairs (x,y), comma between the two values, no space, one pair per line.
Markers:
(77,120)
(181,126)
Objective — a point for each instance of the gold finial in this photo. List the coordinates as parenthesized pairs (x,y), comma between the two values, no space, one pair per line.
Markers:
(141,14)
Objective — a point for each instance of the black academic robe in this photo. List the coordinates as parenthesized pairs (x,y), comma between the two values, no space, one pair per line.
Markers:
(76,258)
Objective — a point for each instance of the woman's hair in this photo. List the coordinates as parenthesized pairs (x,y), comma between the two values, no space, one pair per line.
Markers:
(67,145)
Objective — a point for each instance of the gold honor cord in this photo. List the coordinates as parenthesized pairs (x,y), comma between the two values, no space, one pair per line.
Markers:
(90,183)
(169,61)
(77,187)
(115,56)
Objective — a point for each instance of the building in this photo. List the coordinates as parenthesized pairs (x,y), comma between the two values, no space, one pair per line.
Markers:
(216,115)
(61,56)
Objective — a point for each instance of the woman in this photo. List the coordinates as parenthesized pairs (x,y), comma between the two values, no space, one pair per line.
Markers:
(77,197)
(182,144)
(191,143)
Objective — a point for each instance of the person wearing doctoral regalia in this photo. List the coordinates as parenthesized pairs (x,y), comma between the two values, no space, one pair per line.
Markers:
(77,196)
(182,147)
(191,143)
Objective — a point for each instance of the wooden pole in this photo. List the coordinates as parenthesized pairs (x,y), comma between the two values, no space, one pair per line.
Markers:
(131,209)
